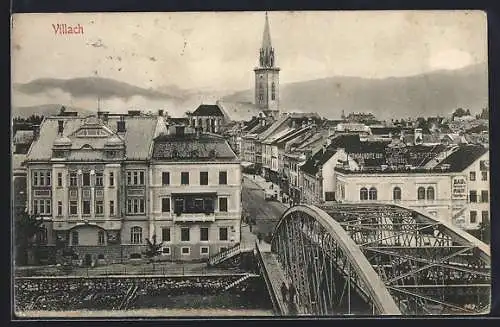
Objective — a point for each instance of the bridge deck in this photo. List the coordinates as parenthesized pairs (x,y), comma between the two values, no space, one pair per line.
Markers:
(276,276)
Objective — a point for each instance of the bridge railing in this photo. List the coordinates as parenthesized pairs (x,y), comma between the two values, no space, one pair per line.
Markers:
(223,254)
(272,293)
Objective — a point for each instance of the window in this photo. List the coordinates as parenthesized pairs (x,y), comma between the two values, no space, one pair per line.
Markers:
(74,238)
(141,178)
(42,235)
(372,194)
(135,206)
(42,179)
(204,250)
(484,196)
(208,205)
(135,256)
(48,179)
(166,251)
(185,250)
(111,179)
(473,217)
(135,177)
(329,196)
(421,193)
(198,205)
(223,204)
(179,205)
(86,207)
(273,91)
(396,193)
(111,208)
(100,237)
(203,178)
(136,235)
(165,234)
(363,194)
(223,233)
(472,196)
(99,207)
(223,177)
(59,208)
(203,233)
(484,216)
(430,193)
(185,178)
(100,256)
(86,179)
(59,179)
(484,175)
(73,179)
(99,179)
(73,208)
(185,234)
(42,206)
(165,178)
(35,178)
(472,176)
(165,205)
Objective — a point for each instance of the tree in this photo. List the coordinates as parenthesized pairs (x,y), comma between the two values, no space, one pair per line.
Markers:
(26,228)
(459,113)
(154,249)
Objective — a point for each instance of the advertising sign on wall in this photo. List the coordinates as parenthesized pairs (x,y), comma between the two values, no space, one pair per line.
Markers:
(459,188)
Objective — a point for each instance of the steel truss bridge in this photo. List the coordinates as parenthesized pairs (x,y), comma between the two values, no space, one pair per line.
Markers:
(380,259)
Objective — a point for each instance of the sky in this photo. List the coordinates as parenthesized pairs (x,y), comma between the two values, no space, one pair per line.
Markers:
(218,51)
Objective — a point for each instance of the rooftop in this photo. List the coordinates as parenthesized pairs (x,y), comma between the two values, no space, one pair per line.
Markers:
(23,137)
(463,157)
(208,110)
(192,147)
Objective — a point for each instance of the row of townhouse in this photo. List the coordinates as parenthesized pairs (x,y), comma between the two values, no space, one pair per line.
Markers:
(103,185)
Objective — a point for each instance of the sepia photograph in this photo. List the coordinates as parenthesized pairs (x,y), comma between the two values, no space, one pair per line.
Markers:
(260,164)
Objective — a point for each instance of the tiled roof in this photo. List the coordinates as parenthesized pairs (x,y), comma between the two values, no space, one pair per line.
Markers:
(463,157)
(208,110)
(294,134)
(273,128)
(138,136)
(23,137)
(273,137)
(188,147)
(239,111)
(251,124)
(385,130)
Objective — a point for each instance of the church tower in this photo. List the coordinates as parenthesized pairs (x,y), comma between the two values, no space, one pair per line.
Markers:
(267,77)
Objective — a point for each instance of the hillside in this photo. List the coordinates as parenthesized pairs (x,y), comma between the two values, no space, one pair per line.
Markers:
(45,110)
(434,93)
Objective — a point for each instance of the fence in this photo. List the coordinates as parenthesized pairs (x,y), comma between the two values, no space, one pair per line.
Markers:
(150,270)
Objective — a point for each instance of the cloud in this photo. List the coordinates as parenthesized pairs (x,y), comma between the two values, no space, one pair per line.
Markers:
(90,87)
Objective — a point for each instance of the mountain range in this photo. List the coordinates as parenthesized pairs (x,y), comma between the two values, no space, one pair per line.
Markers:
(435,93)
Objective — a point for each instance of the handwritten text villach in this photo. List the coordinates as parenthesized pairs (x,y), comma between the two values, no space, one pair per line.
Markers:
(64,29)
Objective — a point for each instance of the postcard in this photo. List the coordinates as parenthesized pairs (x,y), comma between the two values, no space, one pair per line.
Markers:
(319,163)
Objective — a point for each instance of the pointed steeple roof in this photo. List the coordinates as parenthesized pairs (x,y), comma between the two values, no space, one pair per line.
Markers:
(266,38)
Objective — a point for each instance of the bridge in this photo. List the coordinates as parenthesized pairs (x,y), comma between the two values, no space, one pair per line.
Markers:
(374,259)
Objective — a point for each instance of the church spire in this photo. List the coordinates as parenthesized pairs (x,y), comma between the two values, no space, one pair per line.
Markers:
(266,38)
(266,57)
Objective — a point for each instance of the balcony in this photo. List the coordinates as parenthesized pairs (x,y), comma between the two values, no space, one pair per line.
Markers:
(184,217)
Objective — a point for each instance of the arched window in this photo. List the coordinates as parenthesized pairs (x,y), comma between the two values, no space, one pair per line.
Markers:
(396,194)
(363,194)
(430,193)
(421,193)
(273,91)
(372,194)
(136,235)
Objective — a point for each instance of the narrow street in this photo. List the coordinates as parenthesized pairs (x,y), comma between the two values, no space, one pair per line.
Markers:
(266,213)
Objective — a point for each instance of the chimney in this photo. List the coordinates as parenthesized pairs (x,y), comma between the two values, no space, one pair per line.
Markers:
(179,130)
(36,131)
(120,126)
(60,127)
(160,112)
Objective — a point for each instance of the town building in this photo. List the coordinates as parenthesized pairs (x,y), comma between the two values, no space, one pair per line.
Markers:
(22,141)
(441,191)
(209,117)
(195,194)
(87,179)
